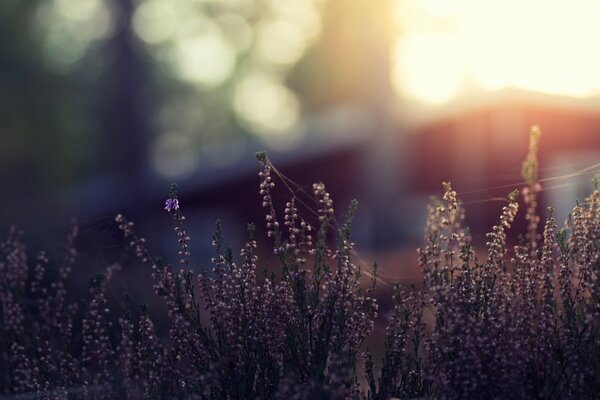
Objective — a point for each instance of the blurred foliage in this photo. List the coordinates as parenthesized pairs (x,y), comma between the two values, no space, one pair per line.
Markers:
(45,126)
(111,87)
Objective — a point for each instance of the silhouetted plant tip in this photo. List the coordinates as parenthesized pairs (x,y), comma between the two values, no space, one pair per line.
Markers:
(530,165)
(262,156)
(503,322)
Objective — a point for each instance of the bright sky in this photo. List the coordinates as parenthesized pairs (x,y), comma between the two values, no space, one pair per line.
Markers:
(449,48)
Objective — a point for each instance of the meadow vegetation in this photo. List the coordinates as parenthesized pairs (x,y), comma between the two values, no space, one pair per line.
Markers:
(516,321)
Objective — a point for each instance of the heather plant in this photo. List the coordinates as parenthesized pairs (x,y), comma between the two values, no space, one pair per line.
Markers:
(510,321)
(517,325)
(265,335)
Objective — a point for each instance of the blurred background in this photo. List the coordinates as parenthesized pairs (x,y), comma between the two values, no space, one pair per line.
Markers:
(104,103)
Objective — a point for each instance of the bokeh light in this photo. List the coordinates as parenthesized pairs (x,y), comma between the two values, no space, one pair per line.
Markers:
(155,21)
(237,30)
(201,55)
(241,57)
(451,48)
(428,66)
(280,42)
(68,28)
(303,14)
(266,107)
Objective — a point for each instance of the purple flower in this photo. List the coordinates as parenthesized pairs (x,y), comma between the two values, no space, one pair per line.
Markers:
(171,204)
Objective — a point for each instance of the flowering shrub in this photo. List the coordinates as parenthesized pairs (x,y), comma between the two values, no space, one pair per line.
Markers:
(516,323)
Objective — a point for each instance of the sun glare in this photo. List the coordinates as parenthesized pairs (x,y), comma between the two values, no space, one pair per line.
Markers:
(451,48)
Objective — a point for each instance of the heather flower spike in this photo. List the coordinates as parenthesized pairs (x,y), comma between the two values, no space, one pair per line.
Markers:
(172,203)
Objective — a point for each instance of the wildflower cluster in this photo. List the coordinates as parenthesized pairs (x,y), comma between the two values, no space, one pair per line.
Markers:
(520,324)
(50,347)
(522,321)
